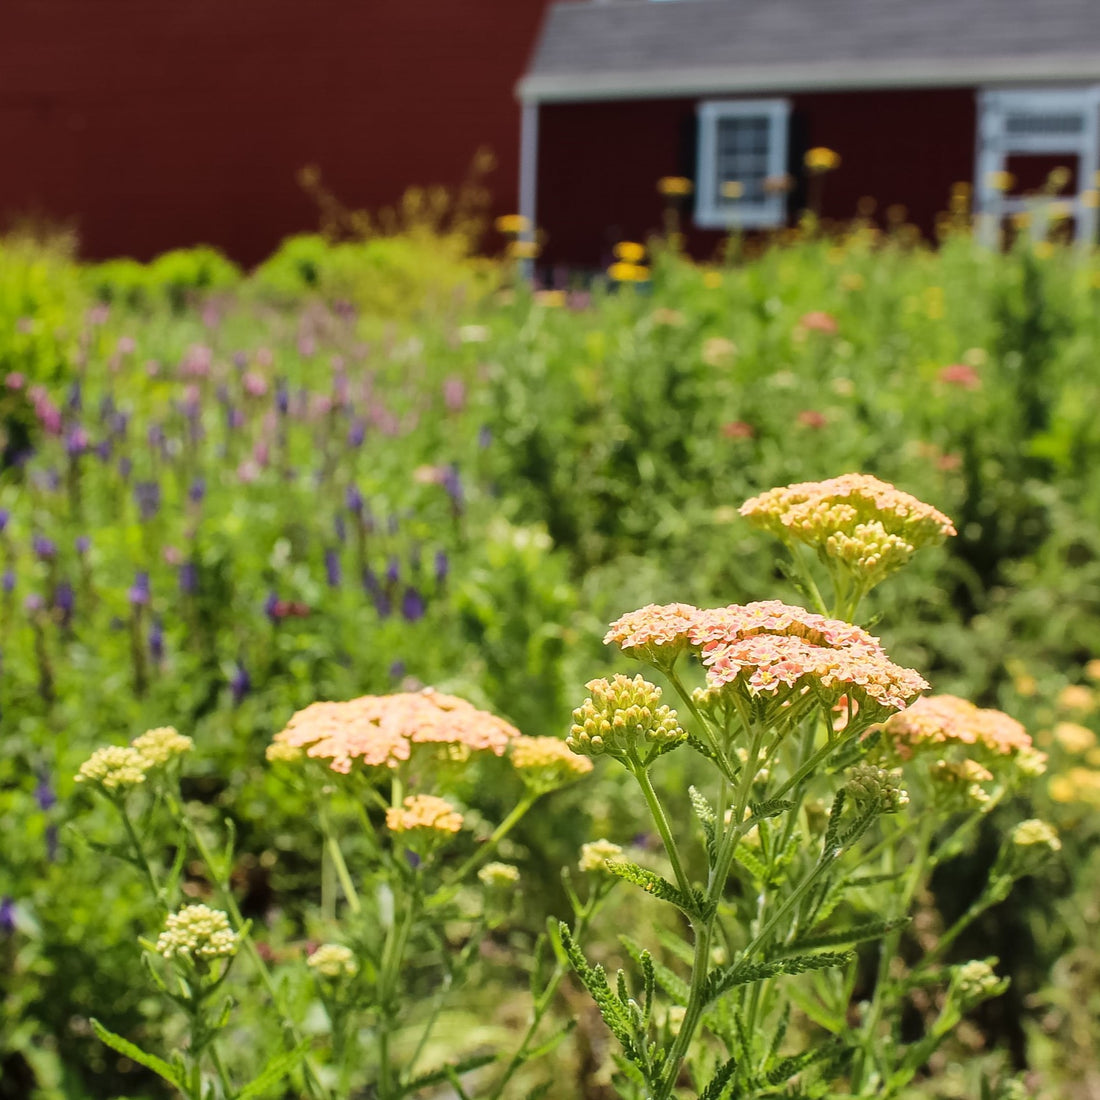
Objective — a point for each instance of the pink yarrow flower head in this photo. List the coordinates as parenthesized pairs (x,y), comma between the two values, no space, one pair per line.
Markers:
(818,321)
(962,375)
(783,657)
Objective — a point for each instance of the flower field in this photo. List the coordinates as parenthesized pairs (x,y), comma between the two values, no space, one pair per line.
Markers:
(323,773)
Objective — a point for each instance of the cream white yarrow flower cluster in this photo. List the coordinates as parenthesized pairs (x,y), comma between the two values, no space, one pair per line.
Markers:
(197,932)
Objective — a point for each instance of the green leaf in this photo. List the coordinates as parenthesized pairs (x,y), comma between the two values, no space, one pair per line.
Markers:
(832,830)
(721,1082)
(274,1072)
(672,984)
(744,973)
(773,807)
(652,883)
(705,813)
(150,1061)
(786,1068)
(547,1045)
(843,937)
(751,862)
(594,979)
(438,1076)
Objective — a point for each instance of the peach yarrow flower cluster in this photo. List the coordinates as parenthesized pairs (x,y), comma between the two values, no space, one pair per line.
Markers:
(948,719)
(770,648)
(545,763)
(423,812)
(381,730)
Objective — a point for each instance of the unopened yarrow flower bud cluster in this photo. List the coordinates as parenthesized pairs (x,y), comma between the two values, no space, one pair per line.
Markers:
(118,767)
(424,813)
(622,715)
(877,788)
(596,853)
(197,932)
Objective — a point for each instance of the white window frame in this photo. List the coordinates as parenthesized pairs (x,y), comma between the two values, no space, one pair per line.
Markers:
(996,145)
(711,212)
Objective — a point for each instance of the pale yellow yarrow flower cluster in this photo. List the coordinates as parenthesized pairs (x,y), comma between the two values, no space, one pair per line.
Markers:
(620,716)
(864,525)
(821,159)
(546,763)
(596,853)
(162,744)
(1036,833)
(498,876)
(116,768)
(197,932)
(333,961)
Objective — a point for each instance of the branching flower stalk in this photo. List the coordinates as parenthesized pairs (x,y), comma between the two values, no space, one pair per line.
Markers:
(794,718)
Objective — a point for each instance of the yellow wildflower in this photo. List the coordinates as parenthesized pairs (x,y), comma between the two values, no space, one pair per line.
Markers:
(511,224)
(628,273)
(674,186)
(1076,697)
(733,190)
(620,716)
(522,250)
(1073,737)
(333,961)
(630,252)
(1000,181)
(820,159)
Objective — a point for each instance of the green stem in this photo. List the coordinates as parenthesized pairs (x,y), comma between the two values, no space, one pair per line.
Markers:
(703,930)
(392,953)
(291,1035)
(143,861)
(580,926)
(449,889)
(702,722)
(660,819)
(889,950)
(332,845)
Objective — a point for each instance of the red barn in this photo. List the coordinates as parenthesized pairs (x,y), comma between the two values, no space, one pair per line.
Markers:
(914,95)
(151,124)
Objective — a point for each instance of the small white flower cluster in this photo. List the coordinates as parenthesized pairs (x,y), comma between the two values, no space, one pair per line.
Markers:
(596,853)
(197,932)
(333,961)
(498,876)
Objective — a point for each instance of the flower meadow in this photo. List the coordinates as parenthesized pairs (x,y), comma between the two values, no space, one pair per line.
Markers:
(681,685)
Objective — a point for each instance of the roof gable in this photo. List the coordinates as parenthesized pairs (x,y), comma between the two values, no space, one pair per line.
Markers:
(630,48)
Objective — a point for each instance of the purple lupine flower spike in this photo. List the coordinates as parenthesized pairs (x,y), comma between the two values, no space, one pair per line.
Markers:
(354,500)
(442,565)
(340,527)
(7,915)
(65,601)
(44,548)
(156,641)
(333,572)
(240,684)
(5,516)
(7,582)
(44,793)
(83,545)
(140,593)
(189,578)
(412,605)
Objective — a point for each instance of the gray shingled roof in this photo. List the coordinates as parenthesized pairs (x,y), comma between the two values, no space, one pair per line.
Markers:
(603,49)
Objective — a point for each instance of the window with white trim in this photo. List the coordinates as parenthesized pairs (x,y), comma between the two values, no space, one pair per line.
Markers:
(742,146)
(1045,122)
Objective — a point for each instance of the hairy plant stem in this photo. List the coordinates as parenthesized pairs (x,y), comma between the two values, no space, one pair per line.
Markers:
(143,860)
(291,1036)
(660,819)
(542,1004)
(393,951)
(703,925)
(889,949)
(449,889)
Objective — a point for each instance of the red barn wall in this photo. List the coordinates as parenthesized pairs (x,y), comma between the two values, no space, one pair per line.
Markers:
(599,162)
(151,124)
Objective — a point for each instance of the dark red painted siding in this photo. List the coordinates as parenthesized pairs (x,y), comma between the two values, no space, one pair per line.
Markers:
(599,162)
(156,123)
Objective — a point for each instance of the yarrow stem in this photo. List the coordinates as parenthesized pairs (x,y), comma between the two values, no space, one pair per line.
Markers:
(660,819)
